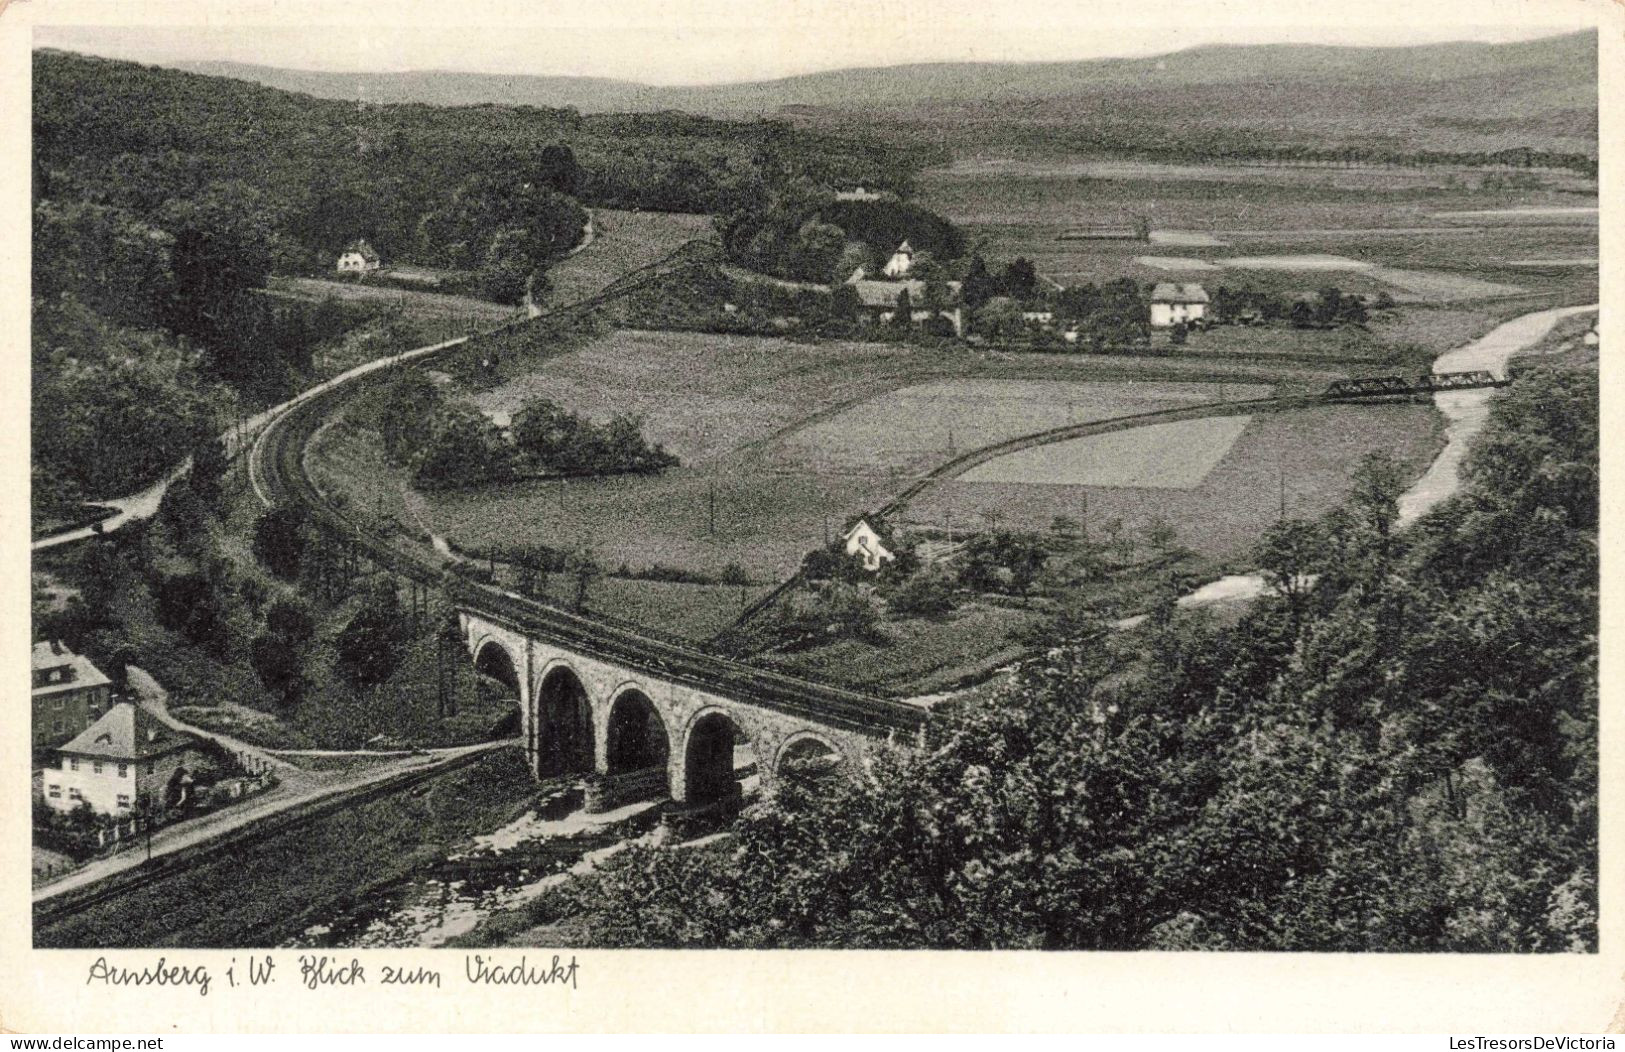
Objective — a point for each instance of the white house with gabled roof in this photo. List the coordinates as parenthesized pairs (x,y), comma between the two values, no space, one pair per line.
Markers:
(1173,302)
(126,758)
(863,541)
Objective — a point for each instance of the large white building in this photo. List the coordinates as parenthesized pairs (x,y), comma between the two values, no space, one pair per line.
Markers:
(126,758)
(1174,302)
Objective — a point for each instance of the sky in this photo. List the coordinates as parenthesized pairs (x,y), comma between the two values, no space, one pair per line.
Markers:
(712,41)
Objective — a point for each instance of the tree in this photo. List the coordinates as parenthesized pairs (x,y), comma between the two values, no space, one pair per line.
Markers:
(1292,553)
(289,620)
(928,593)
(221,250)
(405,411)
(1178,334)
(978,286)
(903,312)
(370,646)
(1379,480)
(276,663)
(280,541)
(463,448)
(584,568)
(1019,280)
(209,467)
(1160,535)
(844,303)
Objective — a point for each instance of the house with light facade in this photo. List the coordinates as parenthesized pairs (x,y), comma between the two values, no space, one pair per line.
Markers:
(70,693)
(900,263)
(127,759)
(359,258)
(863,541)
(1174,302)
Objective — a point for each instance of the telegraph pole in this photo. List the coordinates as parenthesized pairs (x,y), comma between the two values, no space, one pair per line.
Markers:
(711,509)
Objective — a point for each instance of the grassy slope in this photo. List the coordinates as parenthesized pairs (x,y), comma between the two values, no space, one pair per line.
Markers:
(267,893)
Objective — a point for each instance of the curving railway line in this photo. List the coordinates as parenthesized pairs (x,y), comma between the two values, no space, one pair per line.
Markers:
(276,466)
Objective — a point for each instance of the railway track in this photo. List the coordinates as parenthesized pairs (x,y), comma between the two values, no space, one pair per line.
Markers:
(276,464)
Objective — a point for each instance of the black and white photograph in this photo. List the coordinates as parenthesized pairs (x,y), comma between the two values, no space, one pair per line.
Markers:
(815,476)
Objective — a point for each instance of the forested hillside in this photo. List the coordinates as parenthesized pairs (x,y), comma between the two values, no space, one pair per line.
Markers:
(165,201)
(1397,751)
(1247,99)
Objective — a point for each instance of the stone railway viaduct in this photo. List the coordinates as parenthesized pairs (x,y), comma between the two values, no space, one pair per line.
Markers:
(638,731)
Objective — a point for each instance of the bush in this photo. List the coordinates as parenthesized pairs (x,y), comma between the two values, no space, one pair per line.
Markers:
(929,593)
(280,541)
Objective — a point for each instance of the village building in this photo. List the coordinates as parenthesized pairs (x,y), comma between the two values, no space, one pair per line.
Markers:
(1175,302)
(127,758)
(878,301)
(358,258)
(900,263)
(864,542)
(1041,318)
(70,694)
(858,193)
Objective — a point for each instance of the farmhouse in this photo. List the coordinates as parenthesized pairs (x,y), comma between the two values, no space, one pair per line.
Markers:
(857,193)
(900,263)
(69,693)
(358,258)
(878,301)
(127,757)
(1174,302)
(864,542)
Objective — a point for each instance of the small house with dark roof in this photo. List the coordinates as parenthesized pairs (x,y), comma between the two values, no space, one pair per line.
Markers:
(359,258)
(127,758)
(69,693)
(1173,302)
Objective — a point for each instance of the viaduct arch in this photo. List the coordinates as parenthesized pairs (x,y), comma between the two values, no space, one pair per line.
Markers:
(647,733)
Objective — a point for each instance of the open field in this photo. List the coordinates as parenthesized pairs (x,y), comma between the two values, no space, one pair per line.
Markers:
(1176,455)
(703,396)
(622,242)
(1432,221)
(916,427)
(412,302)
(1314,449)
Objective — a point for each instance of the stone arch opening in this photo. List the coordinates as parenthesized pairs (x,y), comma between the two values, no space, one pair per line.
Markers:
(636,738)
(563,725)
(807,756)
(717,756)
(500,676)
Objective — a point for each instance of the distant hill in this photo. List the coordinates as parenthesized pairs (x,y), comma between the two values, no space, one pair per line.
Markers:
(1540,94)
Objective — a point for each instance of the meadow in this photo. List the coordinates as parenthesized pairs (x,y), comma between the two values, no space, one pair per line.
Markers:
(622,242)
(917,427)
(1175,455)
(1426,226)
(1306,454)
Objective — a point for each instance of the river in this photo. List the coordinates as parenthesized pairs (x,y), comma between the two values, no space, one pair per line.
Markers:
(490,874)
(1464,412)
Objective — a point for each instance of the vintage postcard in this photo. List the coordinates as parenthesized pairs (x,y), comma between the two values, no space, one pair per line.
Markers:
(988,509)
